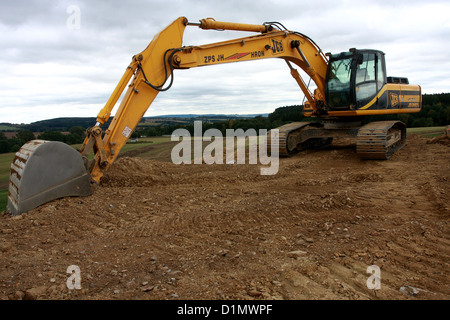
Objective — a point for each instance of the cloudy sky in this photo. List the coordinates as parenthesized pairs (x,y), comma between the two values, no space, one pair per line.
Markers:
(56,65)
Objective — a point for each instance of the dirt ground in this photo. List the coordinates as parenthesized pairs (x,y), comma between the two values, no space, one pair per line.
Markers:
(155,230)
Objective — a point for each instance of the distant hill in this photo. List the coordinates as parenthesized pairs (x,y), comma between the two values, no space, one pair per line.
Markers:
(212,115)
(64,124)
(57,124)
(435,112)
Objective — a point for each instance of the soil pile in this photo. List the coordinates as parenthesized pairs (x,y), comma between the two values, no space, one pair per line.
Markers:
(156,230)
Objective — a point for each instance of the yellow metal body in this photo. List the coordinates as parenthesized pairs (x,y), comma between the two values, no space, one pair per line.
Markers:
(397,95)
(275,44)
(210,23)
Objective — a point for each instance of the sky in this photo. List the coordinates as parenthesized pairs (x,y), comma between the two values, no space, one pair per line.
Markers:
(64,58)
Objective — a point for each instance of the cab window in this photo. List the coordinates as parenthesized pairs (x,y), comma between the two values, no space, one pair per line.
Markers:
(366,79)
(338,92)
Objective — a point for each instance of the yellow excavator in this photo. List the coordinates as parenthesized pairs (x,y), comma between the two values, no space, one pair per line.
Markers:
(348,86)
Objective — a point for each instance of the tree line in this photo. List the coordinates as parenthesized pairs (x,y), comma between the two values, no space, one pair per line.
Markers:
(76,135)
(435,112)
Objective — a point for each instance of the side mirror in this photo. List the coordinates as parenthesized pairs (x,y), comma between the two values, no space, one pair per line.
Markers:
(359,59)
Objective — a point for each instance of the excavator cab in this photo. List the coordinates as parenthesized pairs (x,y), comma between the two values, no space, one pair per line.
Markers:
(356,85)
(354,79)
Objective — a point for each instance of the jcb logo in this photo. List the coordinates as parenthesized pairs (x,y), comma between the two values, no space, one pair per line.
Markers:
(394,99)
(277,46)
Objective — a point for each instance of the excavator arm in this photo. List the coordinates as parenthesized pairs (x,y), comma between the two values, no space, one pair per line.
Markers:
(148,74)
(152,69)
(148,71)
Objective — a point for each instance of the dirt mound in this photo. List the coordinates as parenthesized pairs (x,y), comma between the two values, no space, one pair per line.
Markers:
(134,172)
(156,230)
(444,139)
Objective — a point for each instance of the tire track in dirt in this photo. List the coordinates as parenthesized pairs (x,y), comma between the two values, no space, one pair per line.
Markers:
(226,232)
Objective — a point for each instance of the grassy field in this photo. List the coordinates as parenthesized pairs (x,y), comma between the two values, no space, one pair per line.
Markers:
(143,142)
(427,131)
(5,163)
(7,128)
(3,199)
(155,148)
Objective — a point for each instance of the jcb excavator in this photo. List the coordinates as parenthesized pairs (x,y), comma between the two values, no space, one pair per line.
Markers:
(349,86)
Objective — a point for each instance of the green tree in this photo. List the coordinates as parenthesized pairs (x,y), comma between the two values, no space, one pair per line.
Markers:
(152,131)
(78,131)
(76,135)
(14,147)
(135,135)
(4,145)
(23,136)
(52,136)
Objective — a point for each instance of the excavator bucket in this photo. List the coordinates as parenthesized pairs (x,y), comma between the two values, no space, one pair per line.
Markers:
(43,171)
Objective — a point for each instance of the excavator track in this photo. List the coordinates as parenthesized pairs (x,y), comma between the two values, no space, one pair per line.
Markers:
(380,139)
(286,143)
(297,136)
(376,140)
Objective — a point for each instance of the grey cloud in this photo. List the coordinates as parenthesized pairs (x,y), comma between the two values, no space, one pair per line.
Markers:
(86,64)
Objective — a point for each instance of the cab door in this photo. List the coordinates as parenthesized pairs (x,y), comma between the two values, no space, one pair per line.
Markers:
(369,79)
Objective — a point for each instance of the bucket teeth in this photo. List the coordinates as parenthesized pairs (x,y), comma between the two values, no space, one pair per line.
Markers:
(43,171)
